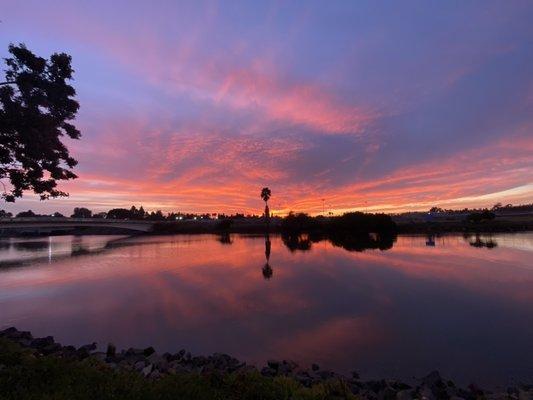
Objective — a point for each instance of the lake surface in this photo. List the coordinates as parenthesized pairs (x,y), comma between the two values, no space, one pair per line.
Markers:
(462,305)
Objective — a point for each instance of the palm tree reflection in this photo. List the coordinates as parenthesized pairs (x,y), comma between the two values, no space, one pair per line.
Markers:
(267,269)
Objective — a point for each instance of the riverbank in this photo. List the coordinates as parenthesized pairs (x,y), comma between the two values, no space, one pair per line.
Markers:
(414,223)
(42,368)
(500,224)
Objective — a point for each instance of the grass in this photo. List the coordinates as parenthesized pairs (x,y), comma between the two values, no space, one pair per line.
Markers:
(25,376)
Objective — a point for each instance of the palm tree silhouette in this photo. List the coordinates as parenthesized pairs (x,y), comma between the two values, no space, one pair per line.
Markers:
(265,195)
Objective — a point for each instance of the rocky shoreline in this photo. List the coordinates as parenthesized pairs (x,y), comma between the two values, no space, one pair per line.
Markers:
(153,366)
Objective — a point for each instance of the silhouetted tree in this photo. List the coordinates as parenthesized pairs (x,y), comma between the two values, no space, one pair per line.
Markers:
(265,195)
(36,104)
(295,223)
(57,214)
(25,214)
(82,212)
(224,225)
(118,213)
(156,216)
(137,213)
(5,214)
(484,215)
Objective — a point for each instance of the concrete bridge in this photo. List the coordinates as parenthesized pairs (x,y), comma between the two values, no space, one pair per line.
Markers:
(48,224)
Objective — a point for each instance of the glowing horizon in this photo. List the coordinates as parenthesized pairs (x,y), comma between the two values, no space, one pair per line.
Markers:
(195,107)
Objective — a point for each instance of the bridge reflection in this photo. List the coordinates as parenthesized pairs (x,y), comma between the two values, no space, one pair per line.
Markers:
(39,226)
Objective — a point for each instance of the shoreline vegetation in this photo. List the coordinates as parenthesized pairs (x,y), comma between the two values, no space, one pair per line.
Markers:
(42,368)
(436,221)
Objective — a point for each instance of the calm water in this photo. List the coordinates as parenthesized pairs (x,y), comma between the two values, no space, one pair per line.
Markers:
(460,305)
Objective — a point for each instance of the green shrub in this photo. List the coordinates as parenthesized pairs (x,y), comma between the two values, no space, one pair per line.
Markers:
(25,376)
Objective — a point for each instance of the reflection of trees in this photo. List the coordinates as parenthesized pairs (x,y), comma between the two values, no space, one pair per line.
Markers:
(348,241)
(267,269)
(481,242)
(363,241)
(295,242)
(77,248)
(225,238)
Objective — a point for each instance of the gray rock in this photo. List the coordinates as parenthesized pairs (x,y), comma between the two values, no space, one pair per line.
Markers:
(154,358)
(13,333)
(39,343)
(267,371)
(159,362)
(284,369)
(99,356)
(431,379)
(111,350)
(134,352)
(155,374)
(139,365)
(24,342)
(88,347)
(304,379)
(148,351)
(8,332)
(147,370)
(51,348)
(325,374)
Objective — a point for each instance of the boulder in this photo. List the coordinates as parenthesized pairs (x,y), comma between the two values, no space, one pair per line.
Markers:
(88,347)
(99,355)
(111,350)
(51,349)
(148,351)
(15,334)
(431,379)
(304,379)
(147,370)
(39,343)
(139,365)
(274,364)
(268,371)
(155,374)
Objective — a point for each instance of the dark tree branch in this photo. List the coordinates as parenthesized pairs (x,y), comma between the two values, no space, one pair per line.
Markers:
(33,122)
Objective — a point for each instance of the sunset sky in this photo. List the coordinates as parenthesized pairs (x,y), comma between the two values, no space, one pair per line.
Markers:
(195,106)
